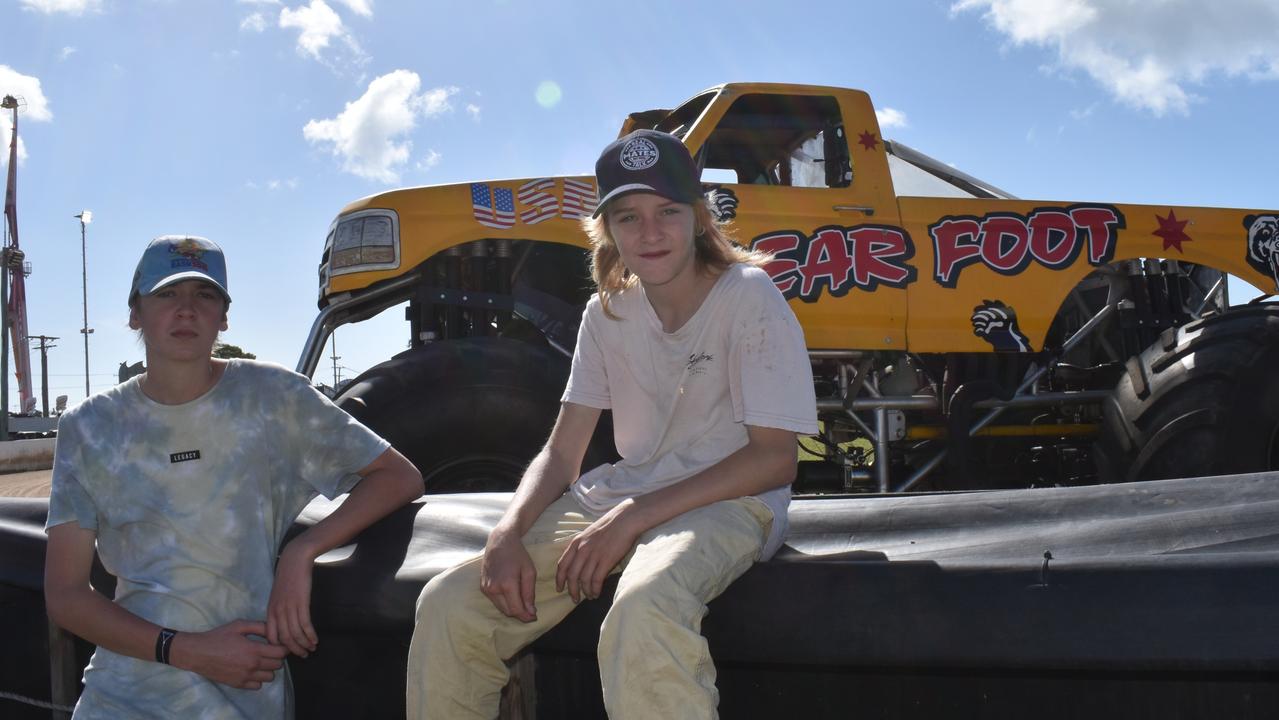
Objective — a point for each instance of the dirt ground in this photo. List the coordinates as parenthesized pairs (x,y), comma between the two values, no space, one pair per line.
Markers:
(26,484)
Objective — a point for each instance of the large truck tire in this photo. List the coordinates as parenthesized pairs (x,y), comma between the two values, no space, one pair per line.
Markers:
(471,413)
(1203,400)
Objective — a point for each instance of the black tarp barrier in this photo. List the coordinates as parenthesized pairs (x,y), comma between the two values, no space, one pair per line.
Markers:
(1158,599)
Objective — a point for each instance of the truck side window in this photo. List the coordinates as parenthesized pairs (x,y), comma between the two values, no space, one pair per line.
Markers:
(787,140)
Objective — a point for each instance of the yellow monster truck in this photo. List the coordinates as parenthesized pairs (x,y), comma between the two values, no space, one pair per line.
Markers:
(960,337)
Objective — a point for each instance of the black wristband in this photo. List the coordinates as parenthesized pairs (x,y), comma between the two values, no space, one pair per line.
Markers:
(163,642)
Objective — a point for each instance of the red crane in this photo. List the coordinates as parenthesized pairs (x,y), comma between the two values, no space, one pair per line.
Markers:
(17,285)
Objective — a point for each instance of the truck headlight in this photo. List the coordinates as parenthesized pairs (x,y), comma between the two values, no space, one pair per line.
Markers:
(365,240)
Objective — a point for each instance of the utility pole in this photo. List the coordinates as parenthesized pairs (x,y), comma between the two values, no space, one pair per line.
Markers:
(337,378)
(44,369)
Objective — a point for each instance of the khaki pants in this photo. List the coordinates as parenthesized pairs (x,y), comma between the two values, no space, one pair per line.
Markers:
(654,663)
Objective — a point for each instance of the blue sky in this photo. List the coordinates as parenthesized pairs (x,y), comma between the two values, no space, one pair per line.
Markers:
(253,123)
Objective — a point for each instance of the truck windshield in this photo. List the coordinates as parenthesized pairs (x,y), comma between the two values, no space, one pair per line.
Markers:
(916,174)
(683,117)
(909,180)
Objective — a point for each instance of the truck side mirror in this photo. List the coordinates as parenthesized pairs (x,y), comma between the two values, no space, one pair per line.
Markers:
(839,168)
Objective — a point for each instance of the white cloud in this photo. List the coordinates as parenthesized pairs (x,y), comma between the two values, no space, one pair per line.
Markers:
(34,107)
(474,111)
(436,101)
(370,134)
(70,7)
(1145,54)
(7,124)
(1084,113)
(25,88)
(272,184)
(363,8)
(890,118)
(431,159)
(318,26)
(317,23)
(254,23)
(1033,21)
(66,52)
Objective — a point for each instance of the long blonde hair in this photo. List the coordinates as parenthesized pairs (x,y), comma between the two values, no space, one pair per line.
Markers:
(715,250)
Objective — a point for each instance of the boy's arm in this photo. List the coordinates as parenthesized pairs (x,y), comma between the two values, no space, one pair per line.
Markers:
(767,461)
(388,482)
(224,654)
(507,575)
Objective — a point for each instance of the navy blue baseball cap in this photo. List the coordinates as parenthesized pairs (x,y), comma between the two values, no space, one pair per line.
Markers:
(171,259)
(647,161)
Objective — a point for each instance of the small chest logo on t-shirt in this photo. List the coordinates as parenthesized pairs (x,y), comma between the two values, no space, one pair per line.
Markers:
(184,456)
(695,363)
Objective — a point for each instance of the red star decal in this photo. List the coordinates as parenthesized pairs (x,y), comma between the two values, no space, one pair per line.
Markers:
(868,140)
(1173,231)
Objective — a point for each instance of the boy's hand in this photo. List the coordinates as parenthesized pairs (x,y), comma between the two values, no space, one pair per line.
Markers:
(288,612)
(508,577)
(227,654)
(592,555)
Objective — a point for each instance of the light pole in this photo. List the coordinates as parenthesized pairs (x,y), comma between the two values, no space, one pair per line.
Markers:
(85,218)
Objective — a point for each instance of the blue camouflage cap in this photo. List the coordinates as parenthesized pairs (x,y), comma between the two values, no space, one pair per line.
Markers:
(171,259)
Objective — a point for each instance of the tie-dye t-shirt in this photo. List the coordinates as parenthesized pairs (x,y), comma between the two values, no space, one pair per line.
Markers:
(190,503)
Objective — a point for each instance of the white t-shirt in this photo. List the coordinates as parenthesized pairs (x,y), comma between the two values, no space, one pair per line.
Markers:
(190,503)
(681,401)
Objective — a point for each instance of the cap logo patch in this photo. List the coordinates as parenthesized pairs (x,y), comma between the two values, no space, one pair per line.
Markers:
(190,252)
(639,154)
(187,248)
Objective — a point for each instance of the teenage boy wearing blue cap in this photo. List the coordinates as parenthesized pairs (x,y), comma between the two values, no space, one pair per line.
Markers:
(185,479)
(705,370)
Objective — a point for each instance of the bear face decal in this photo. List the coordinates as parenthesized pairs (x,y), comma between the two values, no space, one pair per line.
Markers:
(723,203)
(1263,244)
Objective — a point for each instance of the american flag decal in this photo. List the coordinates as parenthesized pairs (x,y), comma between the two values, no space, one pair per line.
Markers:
(579,199)
(541,204)
(496,210)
